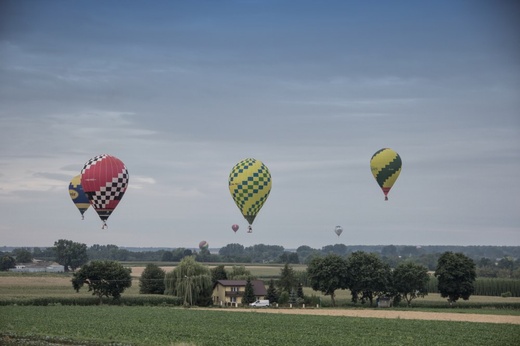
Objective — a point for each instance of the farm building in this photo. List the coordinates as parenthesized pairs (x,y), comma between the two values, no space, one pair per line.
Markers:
(39,267)
(230,292)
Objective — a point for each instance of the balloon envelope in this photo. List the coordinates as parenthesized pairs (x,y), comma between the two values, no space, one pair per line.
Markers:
(104,179)
(386,167)
(338,230)
(235,228)
(203,245)
(78,196)
(250,185)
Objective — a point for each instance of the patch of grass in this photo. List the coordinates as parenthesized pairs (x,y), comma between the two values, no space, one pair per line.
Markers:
(166,326)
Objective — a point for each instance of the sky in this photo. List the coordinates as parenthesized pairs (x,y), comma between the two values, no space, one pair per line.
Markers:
(181,91)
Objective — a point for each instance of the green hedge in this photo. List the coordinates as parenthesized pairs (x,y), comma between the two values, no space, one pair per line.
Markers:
(487,286)
(85,301)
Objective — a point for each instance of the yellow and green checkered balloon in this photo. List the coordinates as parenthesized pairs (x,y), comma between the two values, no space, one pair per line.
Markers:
(250,184)
(386,167)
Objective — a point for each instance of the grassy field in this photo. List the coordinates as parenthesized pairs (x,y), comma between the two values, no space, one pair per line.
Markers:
(23,286)
(127,325)
(58,324)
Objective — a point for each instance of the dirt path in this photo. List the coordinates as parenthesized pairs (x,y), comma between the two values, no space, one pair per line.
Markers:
(406,315)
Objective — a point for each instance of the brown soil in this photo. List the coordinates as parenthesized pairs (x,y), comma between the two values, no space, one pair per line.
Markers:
(406,315)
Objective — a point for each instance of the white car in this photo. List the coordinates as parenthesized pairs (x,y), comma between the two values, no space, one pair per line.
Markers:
(260,303)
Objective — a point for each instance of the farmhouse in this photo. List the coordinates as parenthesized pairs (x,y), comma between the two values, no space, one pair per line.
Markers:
(230,292)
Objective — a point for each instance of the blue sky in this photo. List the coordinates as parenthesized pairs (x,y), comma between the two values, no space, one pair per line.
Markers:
(180,91)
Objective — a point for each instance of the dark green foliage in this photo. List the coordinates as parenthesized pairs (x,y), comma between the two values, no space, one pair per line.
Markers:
(272,294)
(293,297)
(22,255)
(218,273)
(7,262)
(103,278)
(338,249)
(289,257)
(300,291)
(410,281)
(152,280)
(368,276)
(86,301)
(287,279)
(69,254)
(328,274)
(456,275)
(249,293)
(167,256)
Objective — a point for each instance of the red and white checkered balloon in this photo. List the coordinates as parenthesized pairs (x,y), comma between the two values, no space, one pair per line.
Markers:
(104,179)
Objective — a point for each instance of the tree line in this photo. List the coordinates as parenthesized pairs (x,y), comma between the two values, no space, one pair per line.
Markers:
(363,274)
(492,261)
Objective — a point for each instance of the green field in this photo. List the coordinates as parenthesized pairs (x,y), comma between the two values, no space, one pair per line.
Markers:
(128,325)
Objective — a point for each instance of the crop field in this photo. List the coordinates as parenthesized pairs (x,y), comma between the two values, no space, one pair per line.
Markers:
(128,325)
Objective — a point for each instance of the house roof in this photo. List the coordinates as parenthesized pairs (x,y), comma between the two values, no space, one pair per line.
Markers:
(258,285)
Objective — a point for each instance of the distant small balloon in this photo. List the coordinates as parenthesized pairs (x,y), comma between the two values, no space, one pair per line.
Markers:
(203,245)
(338,230)
(235,228)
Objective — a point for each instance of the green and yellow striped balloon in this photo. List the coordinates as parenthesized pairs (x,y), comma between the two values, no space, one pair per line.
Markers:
(250,185)
(386,167)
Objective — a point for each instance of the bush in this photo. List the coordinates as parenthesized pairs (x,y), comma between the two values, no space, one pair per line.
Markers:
(87,301)
(152,280)
(506,295)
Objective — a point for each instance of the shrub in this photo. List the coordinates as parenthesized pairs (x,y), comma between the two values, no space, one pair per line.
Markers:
(152,280)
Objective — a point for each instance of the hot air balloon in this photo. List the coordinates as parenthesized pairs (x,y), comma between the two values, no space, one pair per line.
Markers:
(104,179)
(235,228)
(203,245)
(249,185)
(386,167)
(78,196)
(338,230)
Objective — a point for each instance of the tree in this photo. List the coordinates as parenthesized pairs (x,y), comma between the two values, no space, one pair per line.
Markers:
(389,251)
(103,278)
(289,257)
(328,274)
(287,278)
(410,280)
(305,252)
(167,256)
(191,281)
(22,255)
(456,275)
(232,251)
(272,294)
(249,293)
(239,273)
(152,280)
(300,291)
(203,256)
(368,275)
(293,296)
(338,249)
(218,273)
(7,262)
(70,254)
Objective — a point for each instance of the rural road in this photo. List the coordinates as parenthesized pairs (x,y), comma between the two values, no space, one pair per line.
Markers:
(407,315)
